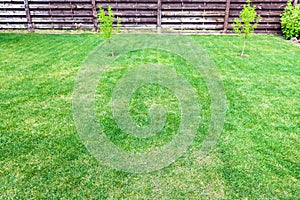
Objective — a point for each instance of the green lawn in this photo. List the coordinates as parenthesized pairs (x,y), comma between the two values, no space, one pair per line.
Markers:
(42,156)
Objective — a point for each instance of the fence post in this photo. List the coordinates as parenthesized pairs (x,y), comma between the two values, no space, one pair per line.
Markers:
(28,17)
(158,25)
(226,18)
(295,2)
(94,11)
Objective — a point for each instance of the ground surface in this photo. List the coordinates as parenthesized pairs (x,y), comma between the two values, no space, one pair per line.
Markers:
(257,155)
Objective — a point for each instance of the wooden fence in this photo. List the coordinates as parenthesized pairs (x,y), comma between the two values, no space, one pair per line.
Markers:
(201,15)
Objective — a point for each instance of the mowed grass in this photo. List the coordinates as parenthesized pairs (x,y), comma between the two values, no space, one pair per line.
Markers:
(257,155)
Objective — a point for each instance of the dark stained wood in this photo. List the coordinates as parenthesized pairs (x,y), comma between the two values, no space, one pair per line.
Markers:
(199,15)
(28,17)
(159,6)
(295,2)
(94,10)
(226,16)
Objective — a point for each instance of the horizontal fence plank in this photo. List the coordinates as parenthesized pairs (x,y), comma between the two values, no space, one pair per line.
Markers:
(11,6)
(63,26)
(194,1)
(12,1)
(129,6)
(12,13)
(194,26)
(13,20)
(5,26)
(203,6)
(193,13)
(193,20)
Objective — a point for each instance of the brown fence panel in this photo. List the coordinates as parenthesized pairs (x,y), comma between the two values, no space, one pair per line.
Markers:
(52,14)
(269,10)
(211,15)
(134,13)
(194,15)
(12,14)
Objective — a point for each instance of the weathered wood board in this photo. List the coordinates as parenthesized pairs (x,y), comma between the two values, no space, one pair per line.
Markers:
(211,15)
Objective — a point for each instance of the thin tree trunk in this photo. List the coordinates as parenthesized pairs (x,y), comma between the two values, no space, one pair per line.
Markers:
(111,48)
(244,47)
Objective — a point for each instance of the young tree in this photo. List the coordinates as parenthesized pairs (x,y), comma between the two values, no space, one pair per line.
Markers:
(106,25)
(247,23)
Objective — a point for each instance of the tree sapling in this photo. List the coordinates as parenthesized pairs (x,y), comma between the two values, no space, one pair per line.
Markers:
(106,25)
(247,23)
